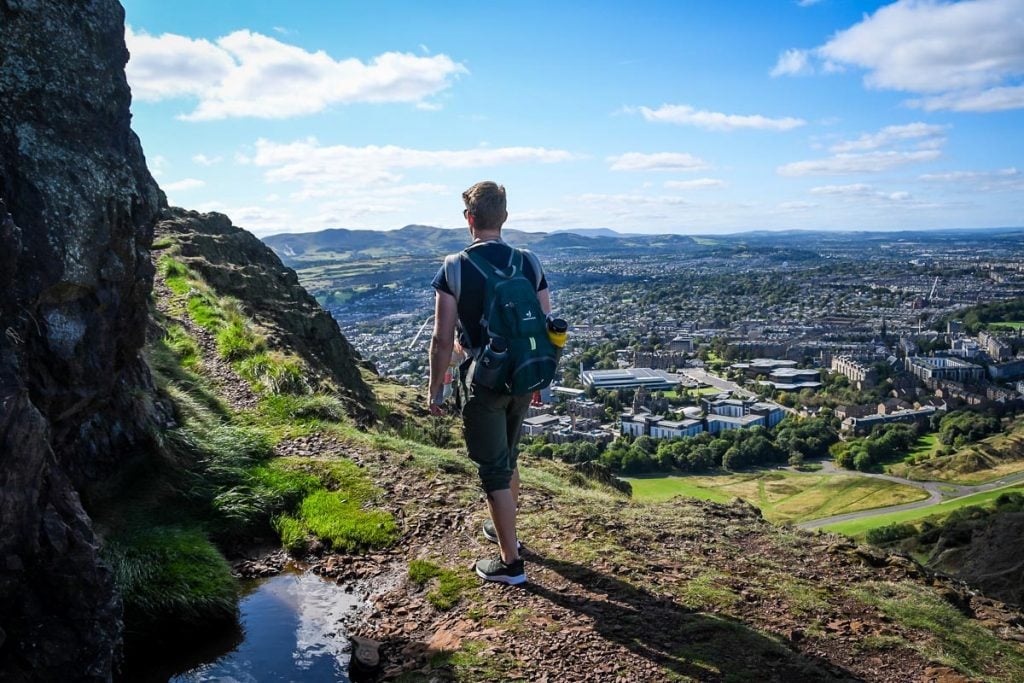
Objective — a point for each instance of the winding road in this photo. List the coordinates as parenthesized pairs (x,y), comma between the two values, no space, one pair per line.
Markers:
(938,492)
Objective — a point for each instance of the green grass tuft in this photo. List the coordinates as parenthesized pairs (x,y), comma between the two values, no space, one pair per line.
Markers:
(956,640)
(421,571)
(204,312)
(171,573)
(338,519)
(182,345)
(275,373)
(292,533)
(236,341)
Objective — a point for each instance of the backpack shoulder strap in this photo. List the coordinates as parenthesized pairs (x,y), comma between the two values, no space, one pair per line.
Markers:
(535,264)
(453,273)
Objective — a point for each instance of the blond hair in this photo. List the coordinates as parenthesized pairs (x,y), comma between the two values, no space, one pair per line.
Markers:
(486,201)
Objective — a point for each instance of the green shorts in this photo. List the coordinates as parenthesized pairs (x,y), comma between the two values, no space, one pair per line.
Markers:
(491,423)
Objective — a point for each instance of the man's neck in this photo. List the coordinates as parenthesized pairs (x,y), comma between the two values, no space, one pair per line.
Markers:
(486,236)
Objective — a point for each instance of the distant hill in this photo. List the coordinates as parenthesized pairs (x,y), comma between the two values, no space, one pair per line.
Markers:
(342,244)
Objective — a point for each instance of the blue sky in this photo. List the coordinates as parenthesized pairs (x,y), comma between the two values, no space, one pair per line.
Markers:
(695,117)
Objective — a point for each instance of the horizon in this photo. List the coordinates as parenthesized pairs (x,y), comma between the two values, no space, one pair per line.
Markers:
(648,119)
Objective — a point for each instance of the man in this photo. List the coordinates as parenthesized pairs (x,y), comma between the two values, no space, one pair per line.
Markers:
(491,419)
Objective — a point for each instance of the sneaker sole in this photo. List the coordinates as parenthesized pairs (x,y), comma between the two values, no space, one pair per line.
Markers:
(501,578)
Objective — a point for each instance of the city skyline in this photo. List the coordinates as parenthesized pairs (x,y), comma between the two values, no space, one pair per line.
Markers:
(651,118)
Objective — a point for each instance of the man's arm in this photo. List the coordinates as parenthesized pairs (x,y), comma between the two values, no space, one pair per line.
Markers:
(544,297)
(441,343)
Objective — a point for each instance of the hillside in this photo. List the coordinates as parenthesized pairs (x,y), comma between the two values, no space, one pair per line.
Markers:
(678,590)
(312,249)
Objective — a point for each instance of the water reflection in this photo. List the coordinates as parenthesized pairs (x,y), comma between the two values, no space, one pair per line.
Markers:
(293,625)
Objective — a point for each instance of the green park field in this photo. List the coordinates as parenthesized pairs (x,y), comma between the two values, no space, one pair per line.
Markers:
(859,527)
(783,497)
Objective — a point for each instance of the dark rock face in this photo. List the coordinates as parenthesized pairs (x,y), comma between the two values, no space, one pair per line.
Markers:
(238,264)
(987,554)
(75,279)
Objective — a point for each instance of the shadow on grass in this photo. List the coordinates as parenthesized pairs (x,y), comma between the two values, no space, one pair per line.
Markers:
(699,646)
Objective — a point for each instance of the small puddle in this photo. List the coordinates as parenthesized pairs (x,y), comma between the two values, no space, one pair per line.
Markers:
(293,628)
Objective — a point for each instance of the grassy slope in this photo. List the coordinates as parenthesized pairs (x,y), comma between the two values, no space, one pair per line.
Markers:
(859,527)
(784,497)
(989,459)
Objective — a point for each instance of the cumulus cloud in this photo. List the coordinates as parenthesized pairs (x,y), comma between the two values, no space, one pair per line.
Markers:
(658,161)
(695,184)
(183,185)
(685,115)
(247,74)
(322,170)
(964,56)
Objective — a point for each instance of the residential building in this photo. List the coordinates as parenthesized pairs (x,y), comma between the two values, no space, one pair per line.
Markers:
(857,369)
(930,369)
(675,429)
(863,425)
(629,378)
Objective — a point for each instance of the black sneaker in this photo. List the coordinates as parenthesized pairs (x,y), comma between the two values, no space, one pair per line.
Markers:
(496,570)
(491,534)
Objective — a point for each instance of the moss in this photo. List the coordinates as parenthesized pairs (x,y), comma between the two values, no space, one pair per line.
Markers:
(175,573)
(421,571)
(337,519)
(474,661)
(451,585)
(162,243)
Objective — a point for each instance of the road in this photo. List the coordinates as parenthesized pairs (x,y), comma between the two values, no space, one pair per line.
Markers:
(938,492)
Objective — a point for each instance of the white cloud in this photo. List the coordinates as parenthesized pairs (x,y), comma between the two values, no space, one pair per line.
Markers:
(325,170)
(869,162)
(793,63)
(204,160)
(963,56)
(795,206)
(972,175)
(929,134)
(695,184)
(258,220)
(860,191)
(183,185)
(157,165)
(682,114)
(807,3)
(887,148)
(250,74)
(659,161)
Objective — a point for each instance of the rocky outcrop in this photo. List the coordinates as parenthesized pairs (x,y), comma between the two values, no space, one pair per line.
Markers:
(986,553)
(75,276)
(234,262)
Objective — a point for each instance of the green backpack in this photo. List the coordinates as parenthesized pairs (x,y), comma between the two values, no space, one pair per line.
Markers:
(513,313)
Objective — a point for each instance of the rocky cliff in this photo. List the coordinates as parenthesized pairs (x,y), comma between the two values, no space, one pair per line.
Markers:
(77,219)
(236,263)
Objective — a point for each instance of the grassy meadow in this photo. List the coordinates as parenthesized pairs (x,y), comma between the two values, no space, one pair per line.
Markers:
(783,497)
(858,528)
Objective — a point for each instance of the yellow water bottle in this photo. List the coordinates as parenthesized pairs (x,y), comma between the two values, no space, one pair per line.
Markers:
(558,332)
